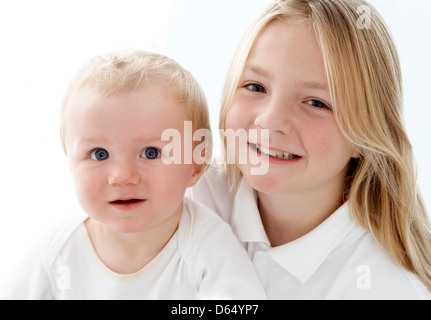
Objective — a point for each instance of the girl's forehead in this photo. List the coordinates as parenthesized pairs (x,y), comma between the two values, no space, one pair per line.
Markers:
(287,34)
(287,49)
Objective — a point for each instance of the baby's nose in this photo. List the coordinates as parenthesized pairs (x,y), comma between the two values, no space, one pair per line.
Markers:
(124,174)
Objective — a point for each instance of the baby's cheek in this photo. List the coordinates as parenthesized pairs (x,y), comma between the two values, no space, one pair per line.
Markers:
(88,190)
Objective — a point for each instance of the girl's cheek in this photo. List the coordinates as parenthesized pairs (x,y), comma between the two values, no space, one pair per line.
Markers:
(320,140)
(236,117)
(322,135)
(328,143)
(230,121)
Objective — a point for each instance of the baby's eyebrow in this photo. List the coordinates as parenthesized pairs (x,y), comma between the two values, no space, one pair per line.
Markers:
(88,141)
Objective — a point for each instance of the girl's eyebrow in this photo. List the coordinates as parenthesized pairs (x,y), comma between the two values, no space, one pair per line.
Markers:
(314,85)
(257,70)
(306,84)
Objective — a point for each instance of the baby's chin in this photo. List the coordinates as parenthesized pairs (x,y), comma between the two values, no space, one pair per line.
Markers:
(122,226)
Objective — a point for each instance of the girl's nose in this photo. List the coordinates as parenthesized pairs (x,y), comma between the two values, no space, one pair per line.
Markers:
(276,115)
(124,173)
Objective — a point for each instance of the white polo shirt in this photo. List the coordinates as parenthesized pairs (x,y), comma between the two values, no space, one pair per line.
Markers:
(337,260)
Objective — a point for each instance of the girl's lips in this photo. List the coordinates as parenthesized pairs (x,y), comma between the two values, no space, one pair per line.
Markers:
(127,204)
(273,153)
(274,156)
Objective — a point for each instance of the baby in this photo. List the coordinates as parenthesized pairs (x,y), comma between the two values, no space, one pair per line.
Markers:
(140,237)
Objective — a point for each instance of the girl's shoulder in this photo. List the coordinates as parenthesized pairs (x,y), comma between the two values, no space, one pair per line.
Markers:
(216,177)
(214,257)
(371,273)
(213,190)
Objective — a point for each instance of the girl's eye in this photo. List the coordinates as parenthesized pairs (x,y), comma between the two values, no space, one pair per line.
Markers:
(317,104)
(256,88)
(151,153)
(99,154)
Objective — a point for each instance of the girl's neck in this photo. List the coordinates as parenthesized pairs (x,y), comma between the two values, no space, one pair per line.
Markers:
(289,217)
(129,253)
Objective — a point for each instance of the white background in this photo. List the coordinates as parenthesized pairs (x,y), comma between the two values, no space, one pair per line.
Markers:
(43,42)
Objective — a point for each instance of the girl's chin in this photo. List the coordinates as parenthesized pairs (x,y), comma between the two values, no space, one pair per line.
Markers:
(264,183)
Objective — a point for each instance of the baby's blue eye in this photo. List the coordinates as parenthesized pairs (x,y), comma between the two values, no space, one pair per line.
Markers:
(99,154)
(151,153)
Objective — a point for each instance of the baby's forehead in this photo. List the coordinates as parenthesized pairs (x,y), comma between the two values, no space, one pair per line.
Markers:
(151,103)
(85,97)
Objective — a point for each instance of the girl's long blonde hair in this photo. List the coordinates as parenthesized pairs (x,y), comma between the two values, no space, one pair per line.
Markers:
(365,83)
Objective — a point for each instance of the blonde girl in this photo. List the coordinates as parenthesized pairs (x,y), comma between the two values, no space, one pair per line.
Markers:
(338,213)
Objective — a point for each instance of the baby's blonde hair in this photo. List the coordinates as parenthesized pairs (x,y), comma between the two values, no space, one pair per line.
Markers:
(130,70)
(364,77)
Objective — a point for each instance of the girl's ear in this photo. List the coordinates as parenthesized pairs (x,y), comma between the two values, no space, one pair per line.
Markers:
(356,154)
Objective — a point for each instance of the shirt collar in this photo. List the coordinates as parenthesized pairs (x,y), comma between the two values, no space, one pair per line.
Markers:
(246,220)
(301,257)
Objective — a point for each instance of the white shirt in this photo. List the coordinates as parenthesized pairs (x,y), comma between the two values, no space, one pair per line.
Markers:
(203,259)
(337,260)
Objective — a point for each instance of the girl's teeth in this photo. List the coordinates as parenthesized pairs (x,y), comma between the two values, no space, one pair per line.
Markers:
(274,153)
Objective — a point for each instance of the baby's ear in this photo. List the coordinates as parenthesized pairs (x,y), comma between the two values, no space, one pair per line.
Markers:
(198,170)
(201,159)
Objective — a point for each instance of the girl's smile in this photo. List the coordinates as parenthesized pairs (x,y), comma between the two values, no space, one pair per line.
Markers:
(273,153)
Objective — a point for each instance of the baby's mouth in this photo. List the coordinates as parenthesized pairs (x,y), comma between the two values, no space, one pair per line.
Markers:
(129,201)
(274,153)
